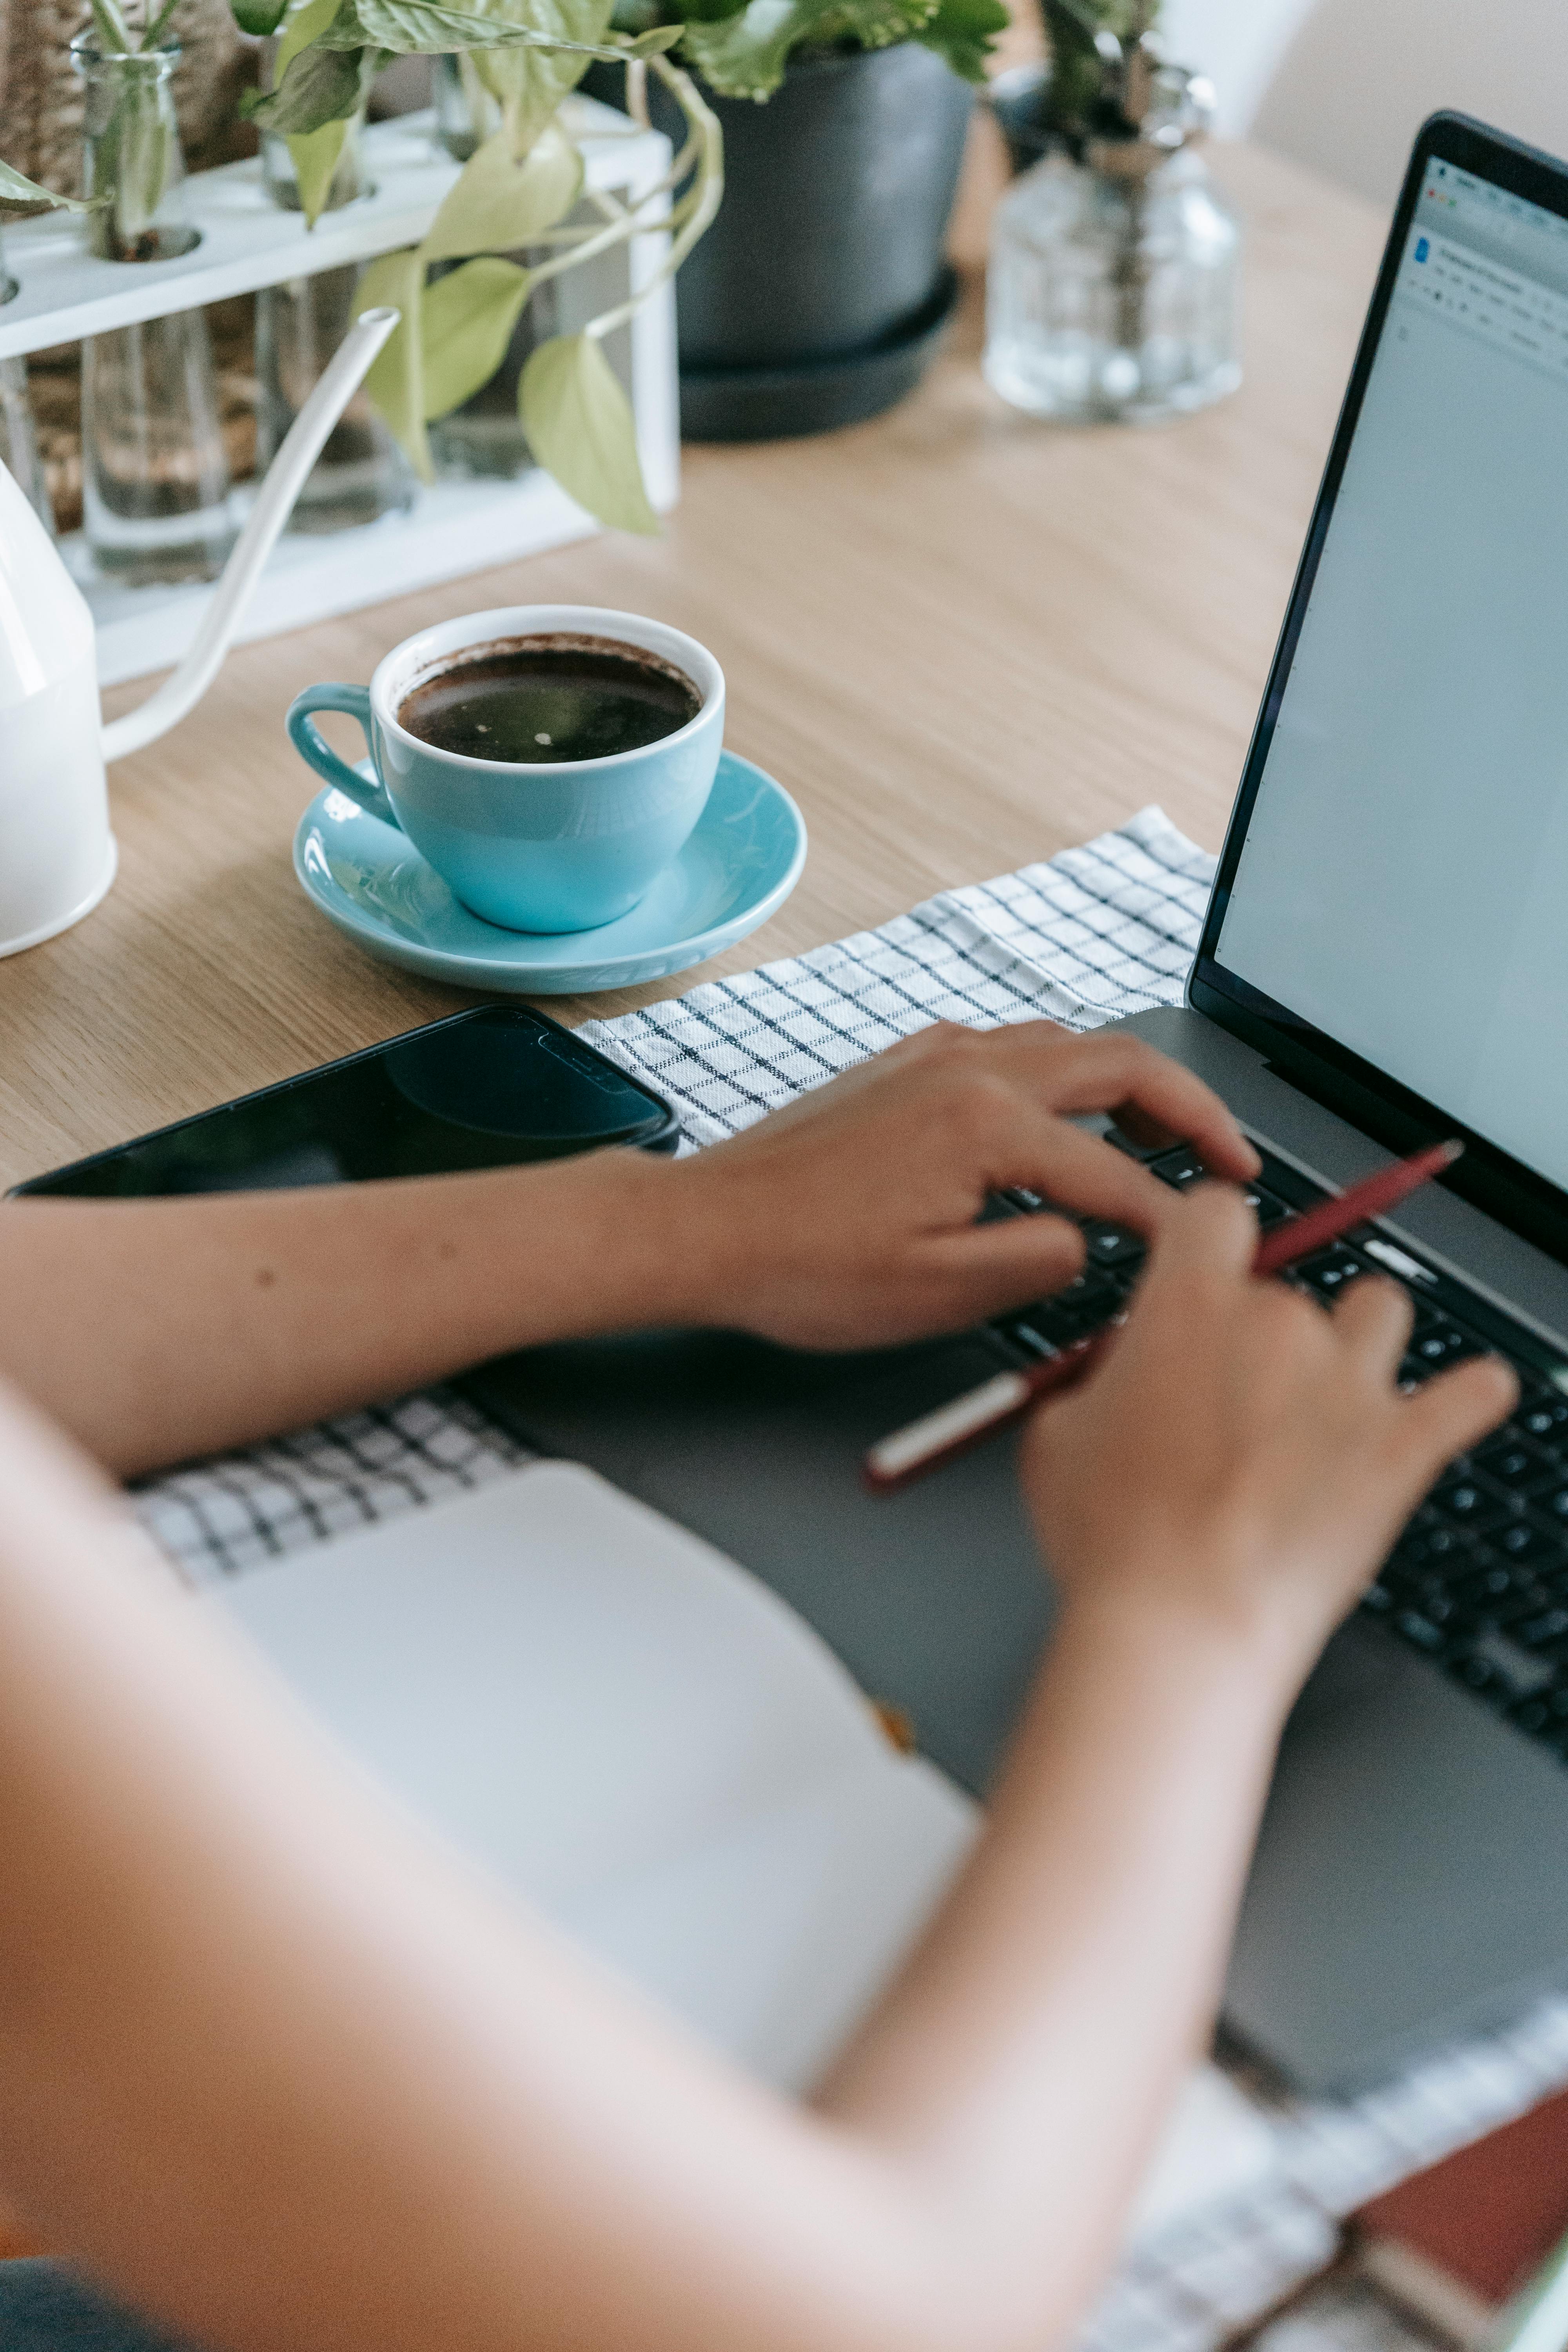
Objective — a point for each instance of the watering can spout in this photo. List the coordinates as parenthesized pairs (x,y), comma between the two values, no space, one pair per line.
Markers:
(184,689)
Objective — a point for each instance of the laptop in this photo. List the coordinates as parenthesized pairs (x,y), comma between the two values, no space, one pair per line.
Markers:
(1384,963)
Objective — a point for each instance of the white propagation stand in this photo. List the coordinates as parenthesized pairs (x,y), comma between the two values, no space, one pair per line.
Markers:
(248,242)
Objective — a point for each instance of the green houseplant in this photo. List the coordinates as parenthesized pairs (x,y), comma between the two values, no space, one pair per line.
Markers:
(522,188)
(843,180)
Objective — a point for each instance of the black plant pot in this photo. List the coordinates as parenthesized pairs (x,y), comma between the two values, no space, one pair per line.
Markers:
(818,294)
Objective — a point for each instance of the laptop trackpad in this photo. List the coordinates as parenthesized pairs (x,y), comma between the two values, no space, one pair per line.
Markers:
(1411,1881)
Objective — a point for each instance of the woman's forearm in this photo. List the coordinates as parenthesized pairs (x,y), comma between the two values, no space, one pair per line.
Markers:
(1023,2066)
(280,2071)
(154,1330)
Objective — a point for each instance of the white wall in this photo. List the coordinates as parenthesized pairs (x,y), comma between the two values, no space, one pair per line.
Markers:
(1240,43)
(1344,84)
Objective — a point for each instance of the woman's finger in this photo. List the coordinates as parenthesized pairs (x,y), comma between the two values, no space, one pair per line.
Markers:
(1373,1318)
(1082,1172)
(1210,1231)
(1453,1411)
(1117,1073)
(1010,1263)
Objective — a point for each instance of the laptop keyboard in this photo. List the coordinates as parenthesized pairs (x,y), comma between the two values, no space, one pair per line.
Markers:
(1478,1583)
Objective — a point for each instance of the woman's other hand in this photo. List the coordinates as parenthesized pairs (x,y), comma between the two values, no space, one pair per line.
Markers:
(848,1219)
(1242,1460)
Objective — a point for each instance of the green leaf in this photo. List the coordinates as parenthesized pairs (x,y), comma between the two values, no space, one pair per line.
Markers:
(529,84)
(744,56)
(872,23)
(303,21)
(464,327)
(579,426)
(258,17)
(318,86)
(710,12)
(428,28)
(499,202)
(963,32)
(315,155)
(16,189)
(395,382)
(658,39)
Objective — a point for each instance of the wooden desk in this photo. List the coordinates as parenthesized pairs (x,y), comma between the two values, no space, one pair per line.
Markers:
(961,638)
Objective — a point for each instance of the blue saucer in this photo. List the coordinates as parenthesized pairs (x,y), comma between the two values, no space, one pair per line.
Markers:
(738,867)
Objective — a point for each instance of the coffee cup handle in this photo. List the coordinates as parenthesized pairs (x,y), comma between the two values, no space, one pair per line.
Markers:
(311,744)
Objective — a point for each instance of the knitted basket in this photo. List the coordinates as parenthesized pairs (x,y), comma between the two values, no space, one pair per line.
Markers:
(41,93)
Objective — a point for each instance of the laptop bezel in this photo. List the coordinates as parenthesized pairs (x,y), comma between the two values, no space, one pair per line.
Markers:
(1331,1074)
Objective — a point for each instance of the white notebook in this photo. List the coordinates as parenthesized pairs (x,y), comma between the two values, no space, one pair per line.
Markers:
(646,1744)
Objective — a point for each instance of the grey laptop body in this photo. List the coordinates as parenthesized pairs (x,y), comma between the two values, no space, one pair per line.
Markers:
(1384,961)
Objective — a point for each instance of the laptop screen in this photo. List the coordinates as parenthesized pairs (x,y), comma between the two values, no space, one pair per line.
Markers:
(1403,884)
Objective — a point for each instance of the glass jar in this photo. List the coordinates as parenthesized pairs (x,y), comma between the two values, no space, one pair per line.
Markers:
(467,113)
(1112,287)
(360,473)
(484,440)
(156,503)
(131,151)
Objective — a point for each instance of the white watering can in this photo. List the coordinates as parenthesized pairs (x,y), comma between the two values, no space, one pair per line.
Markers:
(58,855)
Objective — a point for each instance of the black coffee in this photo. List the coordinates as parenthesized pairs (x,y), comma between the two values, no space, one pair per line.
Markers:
(551,698)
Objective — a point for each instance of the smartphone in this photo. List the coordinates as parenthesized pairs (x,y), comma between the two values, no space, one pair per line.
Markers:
(487,1088)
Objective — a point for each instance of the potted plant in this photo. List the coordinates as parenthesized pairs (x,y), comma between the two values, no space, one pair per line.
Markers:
(460,293)
(818,296)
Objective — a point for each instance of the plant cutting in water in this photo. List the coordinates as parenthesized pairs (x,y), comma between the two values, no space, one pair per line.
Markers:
(522,188)
(133,147)
(1098,49)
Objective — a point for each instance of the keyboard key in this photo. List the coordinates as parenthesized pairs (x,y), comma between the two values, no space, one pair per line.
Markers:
(1179,1169)
(1499,1597)
(1440,1548)
(1527,1542)
(1266,1206)
(1096,1297)
(1058,1326)
(1547,1711)
(1422,1631)
(1442,1343)
(1545,1417)
(1328,1271)
(1544,1633)
(1552,1499)
(1513,1464)
(1108,1244)
(1470,1503)
(1503,1658)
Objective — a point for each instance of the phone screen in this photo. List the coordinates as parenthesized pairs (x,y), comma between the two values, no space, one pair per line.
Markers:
(486,1088)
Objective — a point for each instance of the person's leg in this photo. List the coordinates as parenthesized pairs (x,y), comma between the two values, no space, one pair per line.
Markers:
(44,2308)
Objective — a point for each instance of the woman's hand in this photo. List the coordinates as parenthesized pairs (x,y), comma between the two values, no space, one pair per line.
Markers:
(1242,1460)
(848,1219)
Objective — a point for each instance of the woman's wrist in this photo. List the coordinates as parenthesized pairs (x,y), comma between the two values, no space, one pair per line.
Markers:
(628,1228)
(1251,1657)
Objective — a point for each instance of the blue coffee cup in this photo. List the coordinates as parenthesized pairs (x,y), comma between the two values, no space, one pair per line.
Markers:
(562,846)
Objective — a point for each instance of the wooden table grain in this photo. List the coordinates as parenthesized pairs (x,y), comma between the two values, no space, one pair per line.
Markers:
(961,638)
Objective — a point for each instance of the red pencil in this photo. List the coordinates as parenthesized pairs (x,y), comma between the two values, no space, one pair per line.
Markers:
(952,1429)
